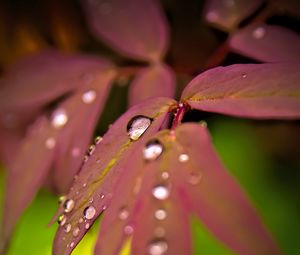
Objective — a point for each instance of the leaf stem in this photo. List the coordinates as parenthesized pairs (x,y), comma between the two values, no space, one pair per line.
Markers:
(181,109)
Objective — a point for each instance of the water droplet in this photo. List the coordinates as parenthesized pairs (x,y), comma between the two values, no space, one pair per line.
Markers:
(183,158)
(84,185)
(104,207)
(258,33)
(137,126)
(89,96)
(80,220)
(160,214)
(91,200)
(212,16)
(152,150)
(91,149)
(67,228)
(102,196)
(87,226)
(50,143)
(123,214)
(244,75)
(76,231)
(59,118)
(160,192)
(85,158)
(157,247)
(75,152)
(203,123)
(72,245)
(98,139)
(128,230)
(165,175)
(69,205)
(89,212)
(195,178)
(62,220)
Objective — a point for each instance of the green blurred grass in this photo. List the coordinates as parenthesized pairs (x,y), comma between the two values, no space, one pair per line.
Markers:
(240,150)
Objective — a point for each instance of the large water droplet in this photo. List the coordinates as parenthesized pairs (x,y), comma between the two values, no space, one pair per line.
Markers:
(76,231)
(50,143)
(160,192)
(183,158)
(259,32)
(89,212)
(62,220)
(59,118)
(157,247)
(160,214)
(152,150)
(69,205)
(89,96)
(123,214)
(137,126)
(67,228)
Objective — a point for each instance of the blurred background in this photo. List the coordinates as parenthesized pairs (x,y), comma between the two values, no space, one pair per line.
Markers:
(263,155)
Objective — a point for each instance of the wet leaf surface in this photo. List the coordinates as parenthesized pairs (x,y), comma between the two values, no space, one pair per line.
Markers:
(267,43)
(267,91)
(136,29)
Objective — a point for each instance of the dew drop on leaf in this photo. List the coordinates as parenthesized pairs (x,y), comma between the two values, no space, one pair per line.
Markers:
(89,96)
(89,212)
(157,247)
(91,149)
(195,178)
(137,126)
(123,214)
(67,228)
(160,214)
(59,118)
(183,158)
(80,220)
(76,231)
(98,139)
(69,205)
(152,150)
(160,192)
(62,220)
(50,143)
(87,226)
(258,33)
(128,230)
(165,175)
(61,199)
(72,244)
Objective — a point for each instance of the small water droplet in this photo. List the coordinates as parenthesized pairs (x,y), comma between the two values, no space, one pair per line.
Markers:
(89,96)
(87,226)
(104,207)
(165,175)
(89,212)
(183,158)
(137,126)
(61,199)
(85,158)
(195,178)
(259,32)
(128,230)
(72,245)
(76,231)
(203,123)
(123,214)
(50,143)
(152,150)
(75,152)
(84,185)
(98,139)
(157,247)
(69,205)
(59,118)
(91,200)
(160,192)
(160,214)
(212,16)
(62,220)
(102,196)
(67,228)
(244,75)
(91,149)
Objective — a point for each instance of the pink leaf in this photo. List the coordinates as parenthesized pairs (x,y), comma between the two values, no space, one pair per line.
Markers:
(267,43)
(96,182)
(215,196)
(269,91)
(154,81)
(42,78)
(227,14)
(136,29)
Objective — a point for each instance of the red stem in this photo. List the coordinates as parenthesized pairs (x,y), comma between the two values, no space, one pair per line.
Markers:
(181,110)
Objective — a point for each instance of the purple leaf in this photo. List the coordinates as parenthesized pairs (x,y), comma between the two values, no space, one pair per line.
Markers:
(214,195)
(42,78)
(95,185)
(227,14)
(267,43)
(136,29)
(268,91)
(154,81)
